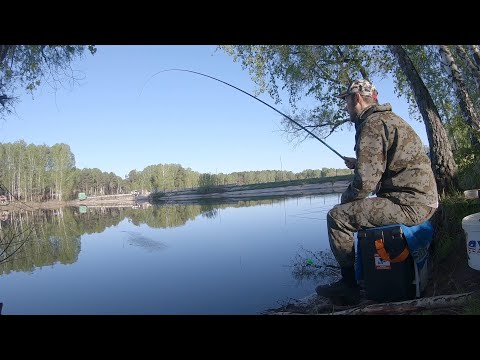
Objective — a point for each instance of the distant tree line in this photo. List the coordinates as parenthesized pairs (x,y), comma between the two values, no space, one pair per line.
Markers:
(31,172)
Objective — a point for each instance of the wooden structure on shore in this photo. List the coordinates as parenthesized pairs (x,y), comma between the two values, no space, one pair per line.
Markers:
(118,199)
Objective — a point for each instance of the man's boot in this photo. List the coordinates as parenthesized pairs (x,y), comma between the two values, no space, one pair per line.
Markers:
(345,291)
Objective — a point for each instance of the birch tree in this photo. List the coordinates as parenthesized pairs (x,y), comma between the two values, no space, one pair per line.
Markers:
(474,68)
(63,165)
(476,54)
(465,102)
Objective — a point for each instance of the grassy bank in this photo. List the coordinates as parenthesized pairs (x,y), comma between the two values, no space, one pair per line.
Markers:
(449,235)
(269,185)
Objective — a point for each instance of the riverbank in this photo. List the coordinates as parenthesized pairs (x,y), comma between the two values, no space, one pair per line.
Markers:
(230,193)
(93,201)
(236,193)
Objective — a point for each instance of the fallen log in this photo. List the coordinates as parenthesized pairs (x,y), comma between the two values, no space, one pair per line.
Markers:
(310,305)
(409,306)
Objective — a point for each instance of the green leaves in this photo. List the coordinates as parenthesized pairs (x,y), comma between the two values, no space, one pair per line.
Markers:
(29,66)
(311,74)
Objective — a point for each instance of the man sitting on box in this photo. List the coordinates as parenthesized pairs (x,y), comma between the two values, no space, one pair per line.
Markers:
(390,162)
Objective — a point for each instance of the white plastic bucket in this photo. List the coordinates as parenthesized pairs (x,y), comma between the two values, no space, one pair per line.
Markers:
(472,194)
(471,226)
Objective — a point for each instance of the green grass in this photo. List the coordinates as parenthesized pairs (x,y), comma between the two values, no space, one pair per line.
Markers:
(211,189)
(330,179)
(472,307)
(449,232)
(268,185)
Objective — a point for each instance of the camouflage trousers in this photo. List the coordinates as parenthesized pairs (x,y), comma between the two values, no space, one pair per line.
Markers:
(345,219)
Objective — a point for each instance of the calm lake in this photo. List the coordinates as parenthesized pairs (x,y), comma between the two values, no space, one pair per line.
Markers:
(237,258)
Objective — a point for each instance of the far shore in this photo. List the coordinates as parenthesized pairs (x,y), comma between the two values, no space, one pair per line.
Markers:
(240,193)
(191,197)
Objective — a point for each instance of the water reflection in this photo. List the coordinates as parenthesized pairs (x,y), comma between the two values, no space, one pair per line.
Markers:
(319,266)
(207,258)
(32,239)
(136,238)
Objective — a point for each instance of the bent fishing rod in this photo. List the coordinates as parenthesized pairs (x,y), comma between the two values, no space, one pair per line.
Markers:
(263,102)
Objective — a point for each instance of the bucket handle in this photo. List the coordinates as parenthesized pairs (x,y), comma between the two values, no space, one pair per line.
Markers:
(382,252)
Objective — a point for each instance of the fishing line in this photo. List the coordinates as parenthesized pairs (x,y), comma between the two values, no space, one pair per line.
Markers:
(263,102)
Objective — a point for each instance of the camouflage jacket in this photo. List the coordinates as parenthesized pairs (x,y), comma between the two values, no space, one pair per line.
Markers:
(391,161)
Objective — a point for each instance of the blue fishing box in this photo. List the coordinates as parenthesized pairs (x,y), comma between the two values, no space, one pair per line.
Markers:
(392,261)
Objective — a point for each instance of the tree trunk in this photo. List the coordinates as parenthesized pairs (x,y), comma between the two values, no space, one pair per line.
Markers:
(4,51)
(464,100)
(443,163)
(474,69)
(476,54)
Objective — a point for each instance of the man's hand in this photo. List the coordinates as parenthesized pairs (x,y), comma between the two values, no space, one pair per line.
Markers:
(350,162)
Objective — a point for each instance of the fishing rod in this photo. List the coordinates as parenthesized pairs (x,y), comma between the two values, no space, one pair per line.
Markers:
(263,102)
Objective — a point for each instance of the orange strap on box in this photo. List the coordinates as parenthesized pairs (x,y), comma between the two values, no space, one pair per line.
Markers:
(380,246)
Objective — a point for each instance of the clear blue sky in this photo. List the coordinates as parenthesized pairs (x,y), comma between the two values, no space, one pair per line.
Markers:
(181,118)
